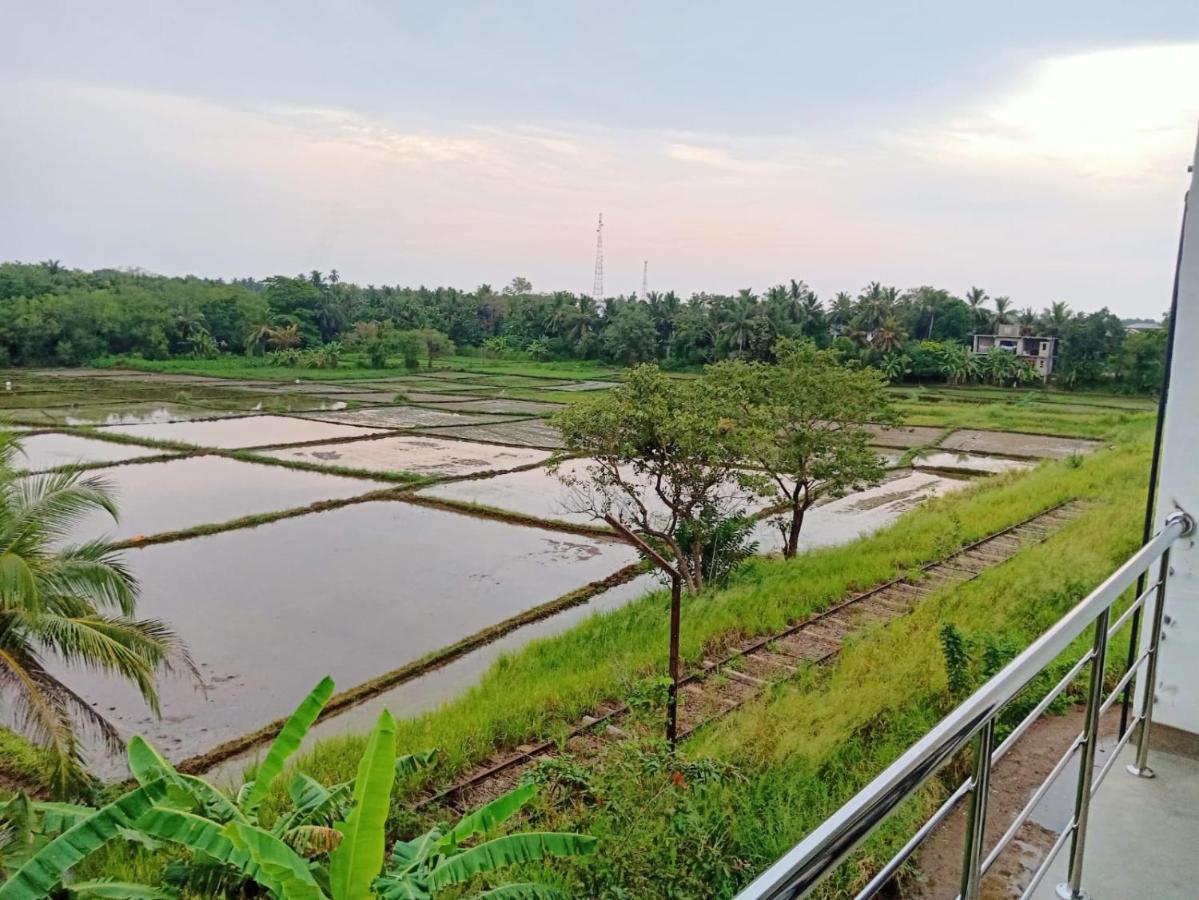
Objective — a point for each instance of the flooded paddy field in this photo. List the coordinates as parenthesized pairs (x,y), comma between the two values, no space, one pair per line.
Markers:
(443,684)
(528,433)
(404,417)
(366,588)
(501,405)
(855,515)
(1013,444)
(47,451)
(100,414)
(352,592)
(246,431)
(157,497)
(423,455)
(829,524)
(968,462)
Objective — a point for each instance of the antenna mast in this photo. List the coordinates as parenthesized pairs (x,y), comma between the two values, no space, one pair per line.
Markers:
(597,286)
(645,279)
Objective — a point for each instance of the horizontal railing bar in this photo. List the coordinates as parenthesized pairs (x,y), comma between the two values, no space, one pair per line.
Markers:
(1045,703)
(1119,746)
(1036,798)
(1047,862)
(893,865)
(1132,608)
(802,867)
(1124,679)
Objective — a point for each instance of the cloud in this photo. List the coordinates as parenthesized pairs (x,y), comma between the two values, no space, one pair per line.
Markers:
(1118,113)
(986,193)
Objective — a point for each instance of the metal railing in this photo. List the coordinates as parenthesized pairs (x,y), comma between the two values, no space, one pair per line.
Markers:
(806,864)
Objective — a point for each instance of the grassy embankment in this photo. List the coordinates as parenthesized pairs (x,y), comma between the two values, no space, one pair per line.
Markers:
(761,779)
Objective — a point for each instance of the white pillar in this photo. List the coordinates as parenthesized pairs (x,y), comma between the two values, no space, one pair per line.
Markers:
(1177,686)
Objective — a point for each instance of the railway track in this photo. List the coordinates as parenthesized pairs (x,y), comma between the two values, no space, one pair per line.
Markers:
(717,687)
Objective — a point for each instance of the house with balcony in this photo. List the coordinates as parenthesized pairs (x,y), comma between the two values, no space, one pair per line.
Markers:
(1037,351)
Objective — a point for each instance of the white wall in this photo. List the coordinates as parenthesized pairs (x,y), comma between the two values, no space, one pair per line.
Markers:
(1178,669)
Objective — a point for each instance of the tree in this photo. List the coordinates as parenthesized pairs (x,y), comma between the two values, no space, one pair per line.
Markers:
(976,299)
(630,336)
(519,287)
(1054,319)
(75,602)
(1140,361)
(1002,312)
(662,454)
(806,425)
(1089,344)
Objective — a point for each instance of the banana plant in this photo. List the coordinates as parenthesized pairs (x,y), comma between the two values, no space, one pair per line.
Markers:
(82,831)
(223,832)
(436,860)
(40,842)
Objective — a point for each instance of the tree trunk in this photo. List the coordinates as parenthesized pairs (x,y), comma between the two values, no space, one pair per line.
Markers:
(797,514)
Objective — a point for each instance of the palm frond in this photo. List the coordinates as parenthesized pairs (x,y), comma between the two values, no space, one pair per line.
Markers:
(45,508)
(91,572)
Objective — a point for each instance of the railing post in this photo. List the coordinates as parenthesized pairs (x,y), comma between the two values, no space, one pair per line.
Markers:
(1141,767)
(1072,888)
(976,814)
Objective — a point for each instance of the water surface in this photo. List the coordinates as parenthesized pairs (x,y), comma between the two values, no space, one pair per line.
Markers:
(422,455)
(47,451)
(353,593)
(182,493)
(246,431)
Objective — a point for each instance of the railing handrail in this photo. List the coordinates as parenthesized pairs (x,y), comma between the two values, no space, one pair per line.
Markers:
(802,867)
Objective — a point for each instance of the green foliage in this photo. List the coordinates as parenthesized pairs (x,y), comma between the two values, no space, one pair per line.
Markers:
(420,867)
(805,421)
(75,602)
(62,316)
(358,858)
(721,542)
(38,876)
(957,661)
(287,742)
(649,693)
(663,458)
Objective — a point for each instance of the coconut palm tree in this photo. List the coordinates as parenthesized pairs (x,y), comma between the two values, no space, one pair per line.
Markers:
(1002,311)
(976,299)
(1054,318)
(72,602)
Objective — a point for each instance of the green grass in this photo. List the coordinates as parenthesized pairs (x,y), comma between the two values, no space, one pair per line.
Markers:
(1040,418)
(22,766)
(353,367)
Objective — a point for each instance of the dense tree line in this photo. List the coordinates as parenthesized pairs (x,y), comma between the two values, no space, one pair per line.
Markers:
(59,316)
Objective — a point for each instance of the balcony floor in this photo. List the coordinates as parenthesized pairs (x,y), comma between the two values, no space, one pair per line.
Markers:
(1143,840)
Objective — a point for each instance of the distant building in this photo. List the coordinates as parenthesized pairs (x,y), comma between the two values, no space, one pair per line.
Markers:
(1038,352)
(1138,325)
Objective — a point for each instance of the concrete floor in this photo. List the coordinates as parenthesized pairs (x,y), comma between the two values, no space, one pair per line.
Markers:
(1143,841)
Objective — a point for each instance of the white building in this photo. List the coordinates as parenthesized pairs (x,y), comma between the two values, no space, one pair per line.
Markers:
(1038,352)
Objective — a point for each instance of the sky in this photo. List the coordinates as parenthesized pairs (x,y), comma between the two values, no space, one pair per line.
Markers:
(1038,150)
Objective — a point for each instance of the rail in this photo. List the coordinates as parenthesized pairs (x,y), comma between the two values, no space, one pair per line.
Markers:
(817,855)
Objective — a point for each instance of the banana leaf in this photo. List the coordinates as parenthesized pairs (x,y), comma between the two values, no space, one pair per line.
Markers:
(507,851)
(357,861)
(287,742)
(279,862)
(39,875)
(486,818)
